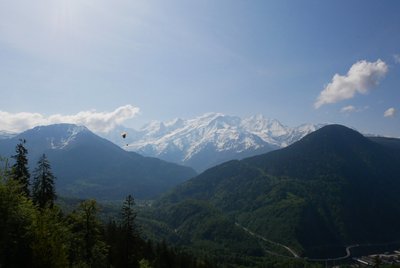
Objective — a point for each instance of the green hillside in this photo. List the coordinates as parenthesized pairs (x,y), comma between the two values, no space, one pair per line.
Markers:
(331,189)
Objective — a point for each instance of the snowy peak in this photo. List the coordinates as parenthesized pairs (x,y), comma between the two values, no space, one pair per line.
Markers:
(224,122)
(175,123)
(213,137)
(267,129)
(71,133)
(58,136)
(154,128)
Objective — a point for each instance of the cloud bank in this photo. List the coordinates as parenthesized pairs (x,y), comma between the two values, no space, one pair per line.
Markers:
(361,77)
(391,112)
(96,121)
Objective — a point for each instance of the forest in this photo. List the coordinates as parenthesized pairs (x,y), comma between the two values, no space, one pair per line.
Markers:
(35,232)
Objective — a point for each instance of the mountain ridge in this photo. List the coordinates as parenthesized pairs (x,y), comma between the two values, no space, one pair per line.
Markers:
(334,187)
(87,165)
(211,138)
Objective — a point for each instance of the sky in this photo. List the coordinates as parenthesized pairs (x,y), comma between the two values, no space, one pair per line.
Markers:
(106,63)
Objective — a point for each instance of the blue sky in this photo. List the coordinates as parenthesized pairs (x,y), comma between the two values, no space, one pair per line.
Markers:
(157,60)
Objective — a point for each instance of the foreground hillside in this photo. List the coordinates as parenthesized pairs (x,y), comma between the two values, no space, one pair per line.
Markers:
(332,189)
(89,166)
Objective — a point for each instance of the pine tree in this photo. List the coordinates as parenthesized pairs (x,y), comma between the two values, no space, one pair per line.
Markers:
(129,230)
(20,170)
(128,215)
(43,185)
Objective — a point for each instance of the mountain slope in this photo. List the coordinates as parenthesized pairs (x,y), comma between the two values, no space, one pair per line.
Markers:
(331,189)
(89,166)
(210,139)
(393,143)
(6,134)
(352,154)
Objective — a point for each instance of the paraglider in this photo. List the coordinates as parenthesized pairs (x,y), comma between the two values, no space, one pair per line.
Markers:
(123,135)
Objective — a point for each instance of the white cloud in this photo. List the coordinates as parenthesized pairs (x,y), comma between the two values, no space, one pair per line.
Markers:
(95,121)
(396,58)
(348,109)
(361,77)
(391,112)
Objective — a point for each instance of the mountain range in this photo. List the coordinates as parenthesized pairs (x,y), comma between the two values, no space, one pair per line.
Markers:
(88,166)
(326,191)
(209,139)
(333,188)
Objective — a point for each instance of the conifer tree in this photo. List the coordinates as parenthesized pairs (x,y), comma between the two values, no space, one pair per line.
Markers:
(129,230)
(128,215)
(43,184)
(20,170)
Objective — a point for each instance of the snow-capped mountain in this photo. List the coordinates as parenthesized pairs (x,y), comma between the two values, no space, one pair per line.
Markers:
(211,138)
(62,135)
(88,166)
(44,138)
(54,137)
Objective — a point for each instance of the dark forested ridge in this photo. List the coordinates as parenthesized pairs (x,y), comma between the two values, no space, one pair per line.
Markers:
(393,143)
(332,150)
(89,166)
(331,189)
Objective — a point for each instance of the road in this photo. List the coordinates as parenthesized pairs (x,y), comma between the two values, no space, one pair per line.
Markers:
(294,255)
(348,254)
(291,251)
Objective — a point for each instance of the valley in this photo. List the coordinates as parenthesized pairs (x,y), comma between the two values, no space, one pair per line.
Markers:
(326,189)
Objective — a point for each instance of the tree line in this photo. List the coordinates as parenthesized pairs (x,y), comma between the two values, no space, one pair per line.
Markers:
(35,232)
